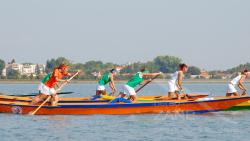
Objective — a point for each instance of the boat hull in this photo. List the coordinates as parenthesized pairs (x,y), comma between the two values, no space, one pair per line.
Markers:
(241,106)
(123,109)
(87,100)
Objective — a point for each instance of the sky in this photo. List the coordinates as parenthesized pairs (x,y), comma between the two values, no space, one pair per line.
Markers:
(210,34)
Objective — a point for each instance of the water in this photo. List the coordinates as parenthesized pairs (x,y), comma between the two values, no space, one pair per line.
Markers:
(229,126)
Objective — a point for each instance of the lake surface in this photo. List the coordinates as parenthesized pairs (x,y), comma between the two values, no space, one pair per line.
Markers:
(228,126)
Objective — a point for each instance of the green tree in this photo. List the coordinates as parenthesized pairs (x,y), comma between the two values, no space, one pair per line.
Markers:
(52,63)
(152,67)
(78,66)
(2,66)
(38,71)
(192,70)
(63,60)
(167,64)
(92,66)
(134,67)
(13,74)
(239,68)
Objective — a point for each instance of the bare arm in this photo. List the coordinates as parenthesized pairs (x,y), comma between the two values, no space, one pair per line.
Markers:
(151,74)
(179,81)
(240,84)
(61,80)
(112,84)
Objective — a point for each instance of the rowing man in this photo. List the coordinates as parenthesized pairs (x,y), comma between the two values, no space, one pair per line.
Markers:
(175,83)
(48,88)
(107,78)
(239,82)
(138,79)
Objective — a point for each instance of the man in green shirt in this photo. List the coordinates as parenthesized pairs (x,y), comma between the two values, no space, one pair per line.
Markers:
(138,79)
(107,78)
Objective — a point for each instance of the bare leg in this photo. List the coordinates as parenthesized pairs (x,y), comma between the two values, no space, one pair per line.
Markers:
(98,92)
(228,94)
(232,94)
(179,96)
(112,94)
(38,98)
(133,98)
(122,94)
(54,100)
(172,95)
(236,94)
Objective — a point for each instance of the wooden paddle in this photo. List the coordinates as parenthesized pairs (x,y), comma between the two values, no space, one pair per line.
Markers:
(38,108)
(149,81)
(34,94)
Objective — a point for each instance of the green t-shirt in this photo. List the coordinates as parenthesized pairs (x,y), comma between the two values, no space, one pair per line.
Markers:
(105,79)
(46,78)
(136,80)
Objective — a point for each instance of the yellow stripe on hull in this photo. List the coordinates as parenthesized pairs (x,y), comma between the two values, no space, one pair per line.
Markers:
(244,104)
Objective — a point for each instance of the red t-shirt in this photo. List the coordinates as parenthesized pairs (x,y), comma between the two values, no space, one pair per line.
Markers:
(52,81)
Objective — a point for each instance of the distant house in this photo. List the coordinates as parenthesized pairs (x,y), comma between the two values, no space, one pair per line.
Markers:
(28,69)
(14,66)
(223,75)
(24,69)
(204,74)
(4,73)
(194,76)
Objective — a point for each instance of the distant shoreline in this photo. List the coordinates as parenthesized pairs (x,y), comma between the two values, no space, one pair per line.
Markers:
(188,81)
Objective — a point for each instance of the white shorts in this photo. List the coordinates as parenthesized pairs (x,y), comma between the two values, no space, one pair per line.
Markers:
(100,88)
(46,90)
(231,89)
(172,87)
(127,90)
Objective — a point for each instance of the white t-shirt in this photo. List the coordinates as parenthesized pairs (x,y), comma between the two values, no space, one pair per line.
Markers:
(174,77)
(236,80)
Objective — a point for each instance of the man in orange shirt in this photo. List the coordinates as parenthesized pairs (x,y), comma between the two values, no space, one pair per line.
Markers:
(48,89)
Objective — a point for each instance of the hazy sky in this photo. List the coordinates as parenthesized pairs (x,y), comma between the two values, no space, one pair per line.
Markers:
(211,34)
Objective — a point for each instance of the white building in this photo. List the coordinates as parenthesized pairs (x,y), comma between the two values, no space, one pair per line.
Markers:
(28,69)
(24,69)
(14,66)
(4,73)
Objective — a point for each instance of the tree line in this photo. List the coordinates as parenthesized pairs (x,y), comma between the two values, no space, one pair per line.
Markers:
(166,64)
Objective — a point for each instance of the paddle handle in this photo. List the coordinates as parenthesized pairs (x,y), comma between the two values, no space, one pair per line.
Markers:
(38,108)
(64,83)
(146,83)
(34,112)
(34,94)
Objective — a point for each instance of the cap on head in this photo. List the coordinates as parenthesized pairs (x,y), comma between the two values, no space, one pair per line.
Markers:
(114,71)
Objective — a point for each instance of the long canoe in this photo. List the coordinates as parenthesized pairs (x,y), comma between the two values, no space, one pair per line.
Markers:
(88,99)
(170,106)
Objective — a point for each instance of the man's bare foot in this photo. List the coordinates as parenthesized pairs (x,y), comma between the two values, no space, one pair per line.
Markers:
(244,94)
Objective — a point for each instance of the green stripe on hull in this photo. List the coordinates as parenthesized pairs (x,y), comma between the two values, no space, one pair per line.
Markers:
(237,108)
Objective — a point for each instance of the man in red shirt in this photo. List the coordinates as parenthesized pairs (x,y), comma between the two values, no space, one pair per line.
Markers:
(48,89)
